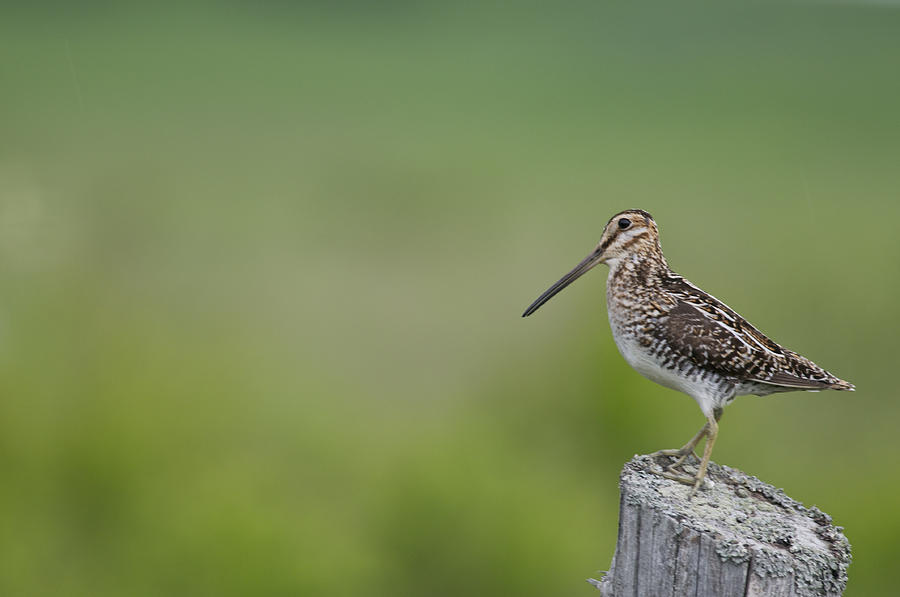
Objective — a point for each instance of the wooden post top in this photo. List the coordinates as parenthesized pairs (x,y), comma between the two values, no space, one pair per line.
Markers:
(738,536)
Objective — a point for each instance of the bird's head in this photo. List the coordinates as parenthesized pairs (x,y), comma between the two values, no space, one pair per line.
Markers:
(629,233)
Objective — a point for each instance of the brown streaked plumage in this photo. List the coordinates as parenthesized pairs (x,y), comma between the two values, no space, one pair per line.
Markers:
(677,335)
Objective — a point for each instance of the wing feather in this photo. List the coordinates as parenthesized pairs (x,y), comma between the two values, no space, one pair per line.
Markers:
(715,337)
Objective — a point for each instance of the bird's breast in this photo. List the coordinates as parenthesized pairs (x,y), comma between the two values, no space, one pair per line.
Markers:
(644,354)
(637,336)
(634,332)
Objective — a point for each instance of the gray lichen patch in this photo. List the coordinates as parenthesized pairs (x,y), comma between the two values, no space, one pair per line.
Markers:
(732,549)
(749,521)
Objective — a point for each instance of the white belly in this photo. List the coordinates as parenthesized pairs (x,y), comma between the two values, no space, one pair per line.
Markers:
(706,392)
(644,363)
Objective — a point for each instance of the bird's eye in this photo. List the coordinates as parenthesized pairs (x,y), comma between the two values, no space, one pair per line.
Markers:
(624,223)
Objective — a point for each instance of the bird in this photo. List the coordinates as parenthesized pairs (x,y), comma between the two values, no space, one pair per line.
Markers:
(675,334)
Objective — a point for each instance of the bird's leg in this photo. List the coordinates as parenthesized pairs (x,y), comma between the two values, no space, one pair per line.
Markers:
(685,450)
(713,431)
(681,453)
(688,448)
(710,430)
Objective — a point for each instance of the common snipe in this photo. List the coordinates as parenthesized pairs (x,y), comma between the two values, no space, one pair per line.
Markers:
(675,334)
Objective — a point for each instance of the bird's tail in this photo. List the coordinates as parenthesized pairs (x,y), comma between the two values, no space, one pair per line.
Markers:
(840,384)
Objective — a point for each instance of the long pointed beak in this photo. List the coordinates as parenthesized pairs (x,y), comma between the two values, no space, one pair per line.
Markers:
(580,269)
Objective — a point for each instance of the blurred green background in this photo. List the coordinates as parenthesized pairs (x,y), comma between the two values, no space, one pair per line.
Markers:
(263,265)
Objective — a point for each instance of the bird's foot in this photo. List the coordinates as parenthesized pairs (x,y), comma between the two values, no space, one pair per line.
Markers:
(695,481)
(678,471)
(680,455)
(686,479)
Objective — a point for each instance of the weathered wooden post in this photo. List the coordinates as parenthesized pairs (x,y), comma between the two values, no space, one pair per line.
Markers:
(740,537)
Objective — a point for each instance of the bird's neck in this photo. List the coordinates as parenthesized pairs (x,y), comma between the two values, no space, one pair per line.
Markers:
(645,268)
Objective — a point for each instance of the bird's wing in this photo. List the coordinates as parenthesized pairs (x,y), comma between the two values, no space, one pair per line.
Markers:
(713,336)
(709,343)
